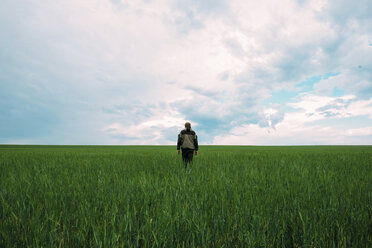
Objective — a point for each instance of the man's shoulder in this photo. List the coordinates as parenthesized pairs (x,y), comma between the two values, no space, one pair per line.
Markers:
(192,132)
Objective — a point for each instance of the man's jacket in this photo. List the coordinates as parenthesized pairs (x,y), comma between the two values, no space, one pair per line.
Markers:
(187,139)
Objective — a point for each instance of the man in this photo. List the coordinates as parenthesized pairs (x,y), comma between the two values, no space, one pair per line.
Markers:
(188,142)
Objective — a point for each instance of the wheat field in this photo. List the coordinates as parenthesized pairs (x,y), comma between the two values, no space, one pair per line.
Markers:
(142,196)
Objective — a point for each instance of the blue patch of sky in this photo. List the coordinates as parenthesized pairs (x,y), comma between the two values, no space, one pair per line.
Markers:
(337,92)
(308,84)
(284,96)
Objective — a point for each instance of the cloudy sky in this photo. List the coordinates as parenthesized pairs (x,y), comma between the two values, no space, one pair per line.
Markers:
(243,72)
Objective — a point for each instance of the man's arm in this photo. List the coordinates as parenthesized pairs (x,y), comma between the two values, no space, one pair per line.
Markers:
(179,143)
(196,145)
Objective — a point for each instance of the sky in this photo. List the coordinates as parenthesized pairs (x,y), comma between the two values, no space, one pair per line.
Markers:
(131,72)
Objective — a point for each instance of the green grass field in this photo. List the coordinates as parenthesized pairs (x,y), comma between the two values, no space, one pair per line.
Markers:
(137,196)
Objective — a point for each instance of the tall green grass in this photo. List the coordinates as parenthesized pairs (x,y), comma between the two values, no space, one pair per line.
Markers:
(128,196)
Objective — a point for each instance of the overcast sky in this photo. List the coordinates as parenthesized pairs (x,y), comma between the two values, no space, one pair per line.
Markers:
(243,72)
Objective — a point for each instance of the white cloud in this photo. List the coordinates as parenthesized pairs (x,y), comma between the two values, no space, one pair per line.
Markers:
(285,134)
(298,128)
(153,130)
(138,67)
(359,131)
(320,107)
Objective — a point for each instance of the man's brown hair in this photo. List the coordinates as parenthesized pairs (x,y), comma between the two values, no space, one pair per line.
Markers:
(188,125)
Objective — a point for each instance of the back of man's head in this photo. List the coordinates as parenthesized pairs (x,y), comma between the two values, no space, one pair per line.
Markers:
(188,125)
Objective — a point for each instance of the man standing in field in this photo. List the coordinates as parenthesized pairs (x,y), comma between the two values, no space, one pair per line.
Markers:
(188,142)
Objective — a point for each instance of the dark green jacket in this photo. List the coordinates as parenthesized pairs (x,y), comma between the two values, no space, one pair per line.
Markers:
(187,139)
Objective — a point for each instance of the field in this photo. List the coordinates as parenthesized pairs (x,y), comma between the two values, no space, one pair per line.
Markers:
(137,196)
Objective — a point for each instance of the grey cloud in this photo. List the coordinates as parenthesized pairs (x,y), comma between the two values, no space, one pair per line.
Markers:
(209,122)
(339,50)
(330,114)
(58,74)
(341,11)
(130,112)
(44,96)
(122,137)
(134,109)
(41,116)
(356,81)
(330,106)
(336,104)
(204,92)
(276,118)
(234,47)
(255,78)
(332,109)
(218,118)
(188,22)
(295,63)
(224,76)
(202,7)
(116,1)
(170,134)
(302,2)
(271,120)
(195,12)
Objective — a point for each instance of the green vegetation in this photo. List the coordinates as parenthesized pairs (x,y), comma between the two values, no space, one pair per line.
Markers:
(136,196)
